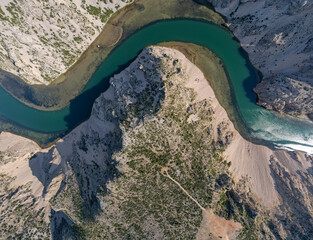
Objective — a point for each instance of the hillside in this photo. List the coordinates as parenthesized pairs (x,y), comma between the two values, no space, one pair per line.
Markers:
(278,36)
(40,40)
(158,158)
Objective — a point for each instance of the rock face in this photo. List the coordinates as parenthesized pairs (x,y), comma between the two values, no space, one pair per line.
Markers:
(286,95)
(105,180)
(278,36)
(20,191)
(39,40)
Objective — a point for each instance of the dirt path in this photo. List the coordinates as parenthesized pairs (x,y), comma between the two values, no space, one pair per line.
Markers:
(165,173)
(212,226)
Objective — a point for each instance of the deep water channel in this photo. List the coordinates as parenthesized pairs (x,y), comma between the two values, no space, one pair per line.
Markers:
(282,131)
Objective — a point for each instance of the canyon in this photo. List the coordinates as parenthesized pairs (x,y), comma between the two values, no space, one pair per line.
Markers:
(104,178)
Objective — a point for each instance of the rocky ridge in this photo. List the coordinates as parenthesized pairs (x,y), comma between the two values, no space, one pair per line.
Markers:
(104,179)
(278,36)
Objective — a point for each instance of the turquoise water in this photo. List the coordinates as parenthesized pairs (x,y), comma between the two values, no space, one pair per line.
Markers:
(282,131)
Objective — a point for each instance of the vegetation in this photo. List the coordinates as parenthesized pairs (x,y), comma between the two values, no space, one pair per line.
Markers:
(170,131)
(3,17)
(98,12)
(19,218)
(15,12)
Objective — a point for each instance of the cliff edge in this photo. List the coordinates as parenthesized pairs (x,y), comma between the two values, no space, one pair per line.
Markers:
(278,36)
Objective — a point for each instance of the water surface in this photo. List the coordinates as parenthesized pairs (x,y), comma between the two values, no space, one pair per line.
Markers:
(282,131)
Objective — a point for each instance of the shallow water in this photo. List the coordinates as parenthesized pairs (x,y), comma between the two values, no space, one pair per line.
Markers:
(282,131)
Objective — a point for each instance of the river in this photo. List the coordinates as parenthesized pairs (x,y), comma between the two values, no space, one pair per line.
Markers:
(282,131)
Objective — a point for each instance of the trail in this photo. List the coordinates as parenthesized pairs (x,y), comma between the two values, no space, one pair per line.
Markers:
(165,173)
(211,223)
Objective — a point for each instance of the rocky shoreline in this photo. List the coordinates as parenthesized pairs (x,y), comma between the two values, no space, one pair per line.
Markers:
(278,36)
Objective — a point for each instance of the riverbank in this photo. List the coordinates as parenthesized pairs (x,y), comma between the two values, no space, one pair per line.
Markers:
(256,123)
(217,75)
(41,39)
(120,26)
(126,142)
(278,38)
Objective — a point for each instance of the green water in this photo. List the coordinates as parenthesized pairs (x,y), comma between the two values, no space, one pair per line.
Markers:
(284,132)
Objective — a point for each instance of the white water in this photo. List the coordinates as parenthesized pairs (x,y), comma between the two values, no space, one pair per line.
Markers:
(284,131)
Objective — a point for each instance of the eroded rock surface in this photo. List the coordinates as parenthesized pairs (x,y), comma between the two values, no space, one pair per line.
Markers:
(278,36)
(39,40)
(104,179)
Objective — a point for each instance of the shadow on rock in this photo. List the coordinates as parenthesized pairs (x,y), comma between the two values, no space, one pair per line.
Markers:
(85,157)
(293,189)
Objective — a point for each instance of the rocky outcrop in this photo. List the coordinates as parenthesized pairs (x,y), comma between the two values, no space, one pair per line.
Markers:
(23,212)
(286,95)
(104,179)
(278,36)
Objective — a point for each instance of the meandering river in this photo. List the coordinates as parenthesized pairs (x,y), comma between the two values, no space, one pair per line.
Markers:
(282,131)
